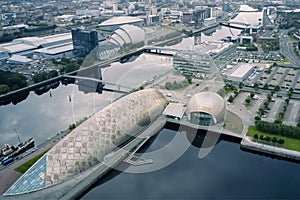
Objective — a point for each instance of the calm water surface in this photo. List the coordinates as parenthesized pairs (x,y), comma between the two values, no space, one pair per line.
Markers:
(226,173)
(43,116)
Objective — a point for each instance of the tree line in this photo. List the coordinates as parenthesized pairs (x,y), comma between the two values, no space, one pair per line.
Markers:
(10,81)
(278,129)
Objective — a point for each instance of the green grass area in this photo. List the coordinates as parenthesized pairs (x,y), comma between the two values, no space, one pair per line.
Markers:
(177,85)
(282,62)
(25,166)
(289,143)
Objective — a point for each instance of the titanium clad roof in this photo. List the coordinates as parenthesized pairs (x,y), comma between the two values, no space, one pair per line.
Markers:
(128,34)
(118,39)
(136,34)
(124,35)
(207,102)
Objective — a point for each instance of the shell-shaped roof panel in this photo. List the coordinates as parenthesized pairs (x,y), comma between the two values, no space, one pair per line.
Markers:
(119,40)
(130,34)
(207,102)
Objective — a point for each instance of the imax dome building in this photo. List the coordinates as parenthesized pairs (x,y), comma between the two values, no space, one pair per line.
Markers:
(206,108)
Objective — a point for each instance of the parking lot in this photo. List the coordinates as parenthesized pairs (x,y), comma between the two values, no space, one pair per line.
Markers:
(286,78)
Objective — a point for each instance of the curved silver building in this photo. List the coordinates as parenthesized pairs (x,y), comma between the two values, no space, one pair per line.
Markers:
(89,143)
(127,34)
(206,108)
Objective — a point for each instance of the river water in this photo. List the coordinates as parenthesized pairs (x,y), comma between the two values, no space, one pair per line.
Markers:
(226,172)
(46,115)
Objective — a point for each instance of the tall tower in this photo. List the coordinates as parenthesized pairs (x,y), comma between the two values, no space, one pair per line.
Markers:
(147,11)
(84,41)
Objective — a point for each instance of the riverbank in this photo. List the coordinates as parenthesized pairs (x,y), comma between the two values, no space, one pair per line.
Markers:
(248,144)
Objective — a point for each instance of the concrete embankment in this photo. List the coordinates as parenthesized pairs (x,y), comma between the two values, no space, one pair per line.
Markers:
(247,144)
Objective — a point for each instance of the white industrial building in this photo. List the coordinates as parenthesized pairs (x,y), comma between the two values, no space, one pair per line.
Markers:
(58,51)
(210,21)
(115,22)
(17,59)
(241,73)
(48,46)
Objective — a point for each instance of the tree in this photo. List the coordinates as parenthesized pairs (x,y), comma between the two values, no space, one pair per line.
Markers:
(274,139)
(281,114)
(266,86)
(72,127)
(189,79)
(266,104)
(40,77)
(262,137)
(281,141)
(230,99)
(277,88)
(4,89)
(53,73)
(235,91)
(255,136)
(257,118)
(269,97)
(278,121)
(252,94)
(261,111)
(72,67)
(256,85)
(247,101)
(241,85)
(287,101)
(168,85)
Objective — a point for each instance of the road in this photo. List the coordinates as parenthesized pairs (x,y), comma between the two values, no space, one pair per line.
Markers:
(275,110)
(258,104)
(287,49)
(294,114)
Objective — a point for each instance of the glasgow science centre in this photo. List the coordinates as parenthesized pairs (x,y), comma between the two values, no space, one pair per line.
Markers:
(87,149)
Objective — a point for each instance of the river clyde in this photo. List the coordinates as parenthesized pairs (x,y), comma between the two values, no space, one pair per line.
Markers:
(226,172)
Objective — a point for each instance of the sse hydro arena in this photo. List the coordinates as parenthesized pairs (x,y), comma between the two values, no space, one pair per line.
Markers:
(79,157)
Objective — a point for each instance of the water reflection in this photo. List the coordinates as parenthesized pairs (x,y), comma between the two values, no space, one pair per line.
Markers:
(43,116)
(226,173)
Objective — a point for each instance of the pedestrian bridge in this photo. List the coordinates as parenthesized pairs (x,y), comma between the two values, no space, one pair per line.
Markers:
(237,25)
(119,88)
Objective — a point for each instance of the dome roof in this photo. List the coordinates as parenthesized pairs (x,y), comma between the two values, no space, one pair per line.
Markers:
(207,102)
(128,34)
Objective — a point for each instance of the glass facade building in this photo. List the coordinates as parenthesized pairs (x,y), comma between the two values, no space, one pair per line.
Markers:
(192,63)
(84,41)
